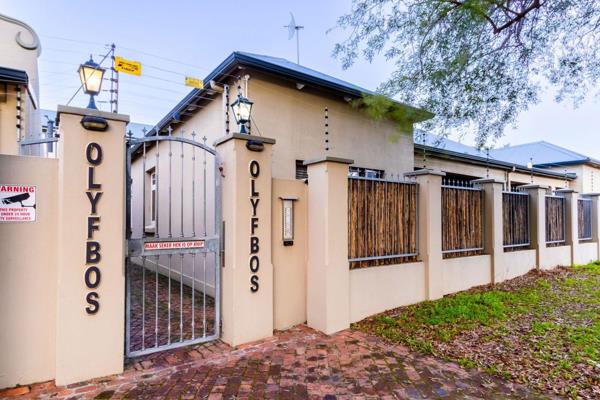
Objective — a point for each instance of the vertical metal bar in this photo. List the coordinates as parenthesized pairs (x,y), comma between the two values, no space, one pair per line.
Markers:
(193,295)
(181,173)
(156,296)
(144,189)
(181,299)
(204,183)
(143,302)
(128,150)
(194,187)
(170,184)
(157,194)
(169,303)
(128,306)
(204,296)
(365,229)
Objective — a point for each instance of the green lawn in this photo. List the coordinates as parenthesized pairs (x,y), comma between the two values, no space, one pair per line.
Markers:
(542,329)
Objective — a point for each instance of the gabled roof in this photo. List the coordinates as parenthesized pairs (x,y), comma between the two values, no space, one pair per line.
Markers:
(542,154)
(11,75)
(274,66)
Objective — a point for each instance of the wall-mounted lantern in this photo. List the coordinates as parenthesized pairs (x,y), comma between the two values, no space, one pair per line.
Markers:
(242,108)
(287,220)
(91,75)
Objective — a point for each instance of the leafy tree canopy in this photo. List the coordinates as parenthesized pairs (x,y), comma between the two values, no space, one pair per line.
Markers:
(477,63)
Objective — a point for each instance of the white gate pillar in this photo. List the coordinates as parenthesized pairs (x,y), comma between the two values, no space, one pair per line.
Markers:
(571,222)
(328,269)
(90,237)
(247,273)
(430,229)
(493,233)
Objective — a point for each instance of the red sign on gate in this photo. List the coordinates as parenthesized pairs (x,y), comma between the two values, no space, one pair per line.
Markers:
(187,244)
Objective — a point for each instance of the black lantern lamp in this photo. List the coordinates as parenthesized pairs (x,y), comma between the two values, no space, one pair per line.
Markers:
(91,75)
(242,107)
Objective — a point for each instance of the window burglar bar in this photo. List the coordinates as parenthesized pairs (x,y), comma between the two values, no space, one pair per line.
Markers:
(584,218)
(462,219)
(555,219)
(515,219)
(382,221)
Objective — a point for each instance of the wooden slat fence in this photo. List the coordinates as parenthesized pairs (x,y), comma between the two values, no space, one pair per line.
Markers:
(555,220)
(584,218)
(515,220)
(382,222)
(462,221)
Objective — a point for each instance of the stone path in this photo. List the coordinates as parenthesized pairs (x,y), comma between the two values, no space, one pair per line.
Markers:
(296,364)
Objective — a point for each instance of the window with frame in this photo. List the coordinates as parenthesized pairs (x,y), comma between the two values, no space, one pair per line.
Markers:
(153,197)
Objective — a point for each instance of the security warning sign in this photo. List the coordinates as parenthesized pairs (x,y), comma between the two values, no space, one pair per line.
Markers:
(17,203)
(128,66)
(187,244)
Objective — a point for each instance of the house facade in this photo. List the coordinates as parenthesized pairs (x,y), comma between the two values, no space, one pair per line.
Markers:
(19,84)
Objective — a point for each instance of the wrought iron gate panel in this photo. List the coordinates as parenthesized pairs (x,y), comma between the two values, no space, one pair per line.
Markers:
(173,227)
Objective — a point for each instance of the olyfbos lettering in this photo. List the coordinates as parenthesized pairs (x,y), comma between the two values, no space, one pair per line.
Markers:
(254,242)
(92,276)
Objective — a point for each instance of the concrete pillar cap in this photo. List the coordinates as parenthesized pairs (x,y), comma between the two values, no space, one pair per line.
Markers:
(425,171)
(487,180)
(535,186)
(329,159)
(565,191)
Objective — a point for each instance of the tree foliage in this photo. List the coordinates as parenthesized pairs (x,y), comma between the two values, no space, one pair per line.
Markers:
(477,63)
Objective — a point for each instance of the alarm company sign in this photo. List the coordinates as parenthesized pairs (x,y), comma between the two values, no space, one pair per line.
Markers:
(17,203)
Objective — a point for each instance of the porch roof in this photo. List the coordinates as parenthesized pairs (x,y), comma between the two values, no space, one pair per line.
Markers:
(13,75)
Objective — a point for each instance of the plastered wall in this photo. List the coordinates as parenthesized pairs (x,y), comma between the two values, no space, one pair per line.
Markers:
(28,277)
(289,262)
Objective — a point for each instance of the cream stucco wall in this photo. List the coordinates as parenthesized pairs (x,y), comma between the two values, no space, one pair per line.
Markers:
(465,272)
(511,264)
(586,253)
(28,280)
(377,289)
(462,168)
(289,262)
(551,257)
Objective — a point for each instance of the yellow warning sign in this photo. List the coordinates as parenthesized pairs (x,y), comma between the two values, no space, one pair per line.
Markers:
(194,82)
(128,66)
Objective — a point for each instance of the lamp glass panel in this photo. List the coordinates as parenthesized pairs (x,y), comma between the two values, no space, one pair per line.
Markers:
(91,78)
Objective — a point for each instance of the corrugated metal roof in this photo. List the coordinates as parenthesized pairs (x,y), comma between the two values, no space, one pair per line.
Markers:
(440,142)
(541,153)
(281,67)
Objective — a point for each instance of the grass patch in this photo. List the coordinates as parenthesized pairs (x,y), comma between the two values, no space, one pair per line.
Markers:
(542,329)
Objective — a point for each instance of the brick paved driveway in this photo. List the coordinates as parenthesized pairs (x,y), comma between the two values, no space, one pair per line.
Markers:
(298,363)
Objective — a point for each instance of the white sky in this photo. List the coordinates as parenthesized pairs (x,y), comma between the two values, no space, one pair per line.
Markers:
(198,35)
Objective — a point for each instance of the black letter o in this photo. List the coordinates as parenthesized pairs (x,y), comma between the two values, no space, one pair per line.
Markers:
(88,277)
(254,169)
(89,152)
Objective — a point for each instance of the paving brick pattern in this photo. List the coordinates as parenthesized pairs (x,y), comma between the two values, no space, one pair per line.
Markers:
(151,317)
(296,364)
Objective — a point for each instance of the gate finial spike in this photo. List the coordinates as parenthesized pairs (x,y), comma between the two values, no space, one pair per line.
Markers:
(170,130)
(194,136)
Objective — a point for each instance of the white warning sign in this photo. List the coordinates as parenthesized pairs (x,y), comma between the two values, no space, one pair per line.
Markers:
(17,203)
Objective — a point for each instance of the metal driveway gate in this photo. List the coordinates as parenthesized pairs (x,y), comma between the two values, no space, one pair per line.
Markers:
(173,243)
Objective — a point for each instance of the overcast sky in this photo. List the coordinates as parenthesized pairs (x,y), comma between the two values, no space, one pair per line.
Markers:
(175,38)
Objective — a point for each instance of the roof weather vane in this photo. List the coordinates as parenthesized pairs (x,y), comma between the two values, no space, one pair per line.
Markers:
(294,29)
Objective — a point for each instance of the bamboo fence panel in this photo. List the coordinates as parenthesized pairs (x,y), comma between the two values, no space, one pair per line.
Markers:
(382,222)
(555,220)
(515,221)
(584,219)
(462,221)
